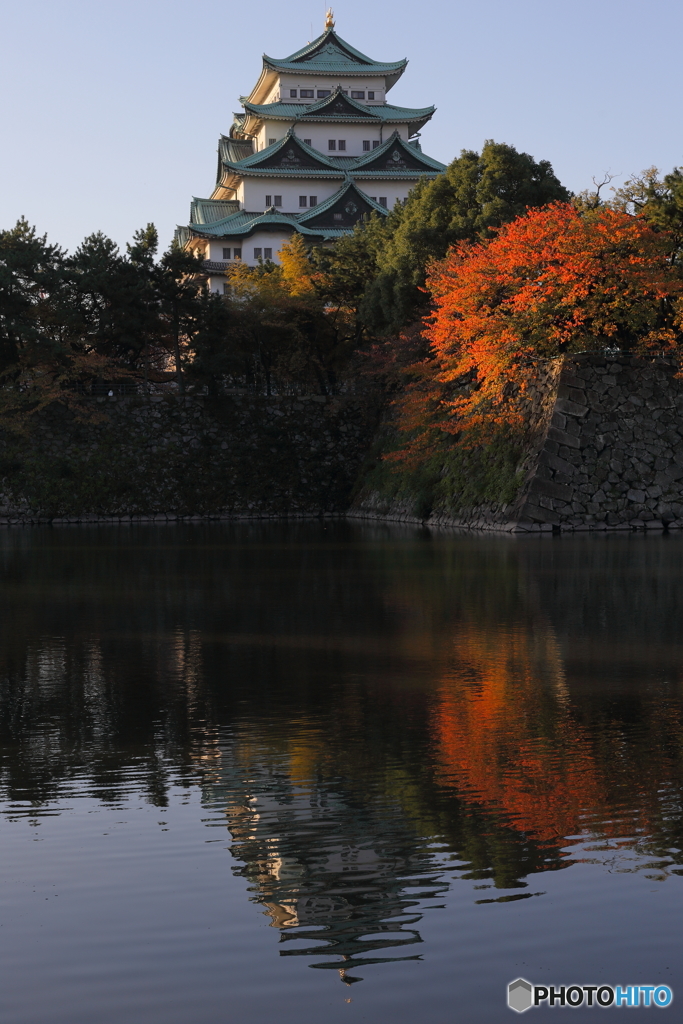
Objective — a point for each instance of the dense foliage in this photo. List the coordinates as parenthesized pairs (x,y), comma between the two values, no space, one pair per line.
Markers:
(457,299)
(99,320)
(382,268)
(551,282)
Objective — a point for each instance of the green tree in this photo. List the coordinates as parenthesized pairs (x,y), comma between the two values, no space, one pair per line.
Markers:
(659,200)
(179,279)
(31,273)
(477,193)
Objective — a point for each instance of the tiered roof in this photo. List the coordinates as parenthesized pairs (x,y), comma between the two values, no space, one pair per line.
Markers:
(329,54)
(291,157)
(335,108)
(331,219)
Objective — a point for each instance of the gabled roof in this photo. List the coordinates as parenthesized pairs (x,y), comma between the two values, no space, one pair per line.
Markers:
(208,211)
(343,209)
(330,54)
(244,224)
(395,157)
(349,202)
(234,149)
(290,152)
(290,156)
(335,105)
(339,107)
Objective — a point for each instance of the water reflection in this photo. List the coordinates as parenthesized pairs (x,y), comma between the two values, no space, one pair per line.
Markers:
(369,714)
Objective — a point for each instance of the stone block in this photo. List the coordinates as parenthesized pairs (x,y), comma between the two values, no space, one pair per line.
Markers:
(571,394)
(566,405)
(570,380)
(563,438)
(537,512)
(557,464)
(551,489)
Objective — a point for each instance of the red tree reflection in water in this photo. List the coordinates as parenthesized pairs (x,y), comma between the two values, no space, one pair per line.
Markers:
(505,734)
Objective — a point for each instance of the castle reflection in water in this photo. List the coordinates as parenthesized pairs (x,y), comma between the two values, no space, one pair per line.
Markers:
(370,716)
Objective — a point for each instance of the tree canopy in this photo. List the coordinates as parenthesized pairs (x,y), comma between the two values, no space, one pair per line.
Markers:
(553,281)
(477,193)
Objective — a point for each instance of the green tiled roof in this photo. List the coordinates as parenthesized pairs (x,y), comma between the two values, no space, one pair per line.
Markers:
(207,211)
(342,193)
(329,54)
(411,162)
(270,151)
(245,223)
(384,113)
(234,149)
(408,154)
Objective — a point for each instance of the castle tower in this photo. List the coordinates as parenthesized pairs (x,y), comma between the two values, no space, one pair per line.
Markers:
(316,148)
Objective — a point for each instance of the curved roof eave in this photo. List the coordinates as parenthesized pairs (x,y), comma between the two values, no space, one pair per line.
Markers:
(350,184)
(329,36)
(428,162)
(286,172)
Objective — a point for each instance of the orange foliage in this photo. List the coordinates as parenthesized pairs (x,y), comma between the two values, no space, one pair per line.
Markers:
(550,282)
(506,735)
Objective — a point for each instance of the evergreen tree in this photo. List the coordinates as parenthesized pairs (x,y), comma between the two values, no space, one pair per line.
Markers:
(476,194)
(31,275)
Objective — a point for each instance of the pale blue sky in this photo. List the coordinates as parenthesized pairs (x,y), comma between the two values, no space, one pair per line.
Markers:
(111,110)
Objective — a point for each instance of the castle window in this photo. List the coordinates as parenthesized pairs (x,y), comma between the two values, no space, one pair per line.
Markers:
(271,142)
(366,145)
(341,145)
(374,198)
(277,200)
(338,216)
(306,94)
(292,94)
(258,253)
(237,254)
(357,95)
(226,254)
(226,288)
(267,254)
(375,144)
(371,95)
(322,93)
(307,142)
(303,200)
(383,201)
(269,201)
(312,200)
(331,143)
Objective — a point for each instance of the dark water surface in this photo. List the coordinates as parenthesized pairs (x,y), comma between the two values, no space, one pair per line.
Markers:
(330,773)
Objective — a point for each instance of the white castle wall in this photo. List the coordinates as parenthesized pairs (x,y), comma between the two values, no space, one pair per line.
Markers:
(352,134)
(286,82)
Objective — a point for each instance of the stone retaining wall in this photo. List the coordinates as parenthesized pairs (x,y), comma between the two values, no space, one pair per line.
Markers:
(613,454)
(609,456)
(171,457)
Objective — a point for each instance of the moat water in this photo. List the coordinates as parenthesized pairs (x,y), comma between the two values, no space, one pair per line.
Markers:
(332,772)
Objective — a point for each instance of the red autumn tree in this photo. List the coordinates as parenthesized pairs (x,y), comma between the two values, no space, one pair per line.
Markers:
(551,282)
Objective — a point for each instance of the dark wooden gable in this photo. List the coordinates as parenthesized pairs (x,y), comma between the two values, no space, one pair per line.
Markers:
(396,158)
(339,106)
(347,210)
(293,157)
(329,49)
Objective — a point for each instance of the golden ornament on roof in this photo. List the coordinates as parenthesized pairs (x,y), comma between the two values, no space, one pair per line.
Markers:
(329,18)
